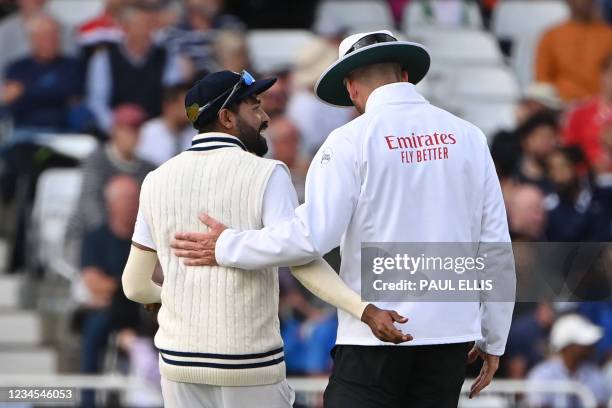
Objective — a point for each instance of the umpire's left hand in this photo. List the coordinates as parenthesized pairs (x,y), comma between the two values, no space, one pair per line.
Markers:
(489,367)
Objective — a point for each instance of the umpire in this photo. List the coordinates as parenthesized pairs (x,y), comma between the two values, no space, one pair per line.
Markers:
(404,171)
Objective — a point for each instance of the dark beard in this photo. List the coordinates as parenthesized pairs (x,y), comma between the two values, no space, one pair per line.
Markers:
(252,138)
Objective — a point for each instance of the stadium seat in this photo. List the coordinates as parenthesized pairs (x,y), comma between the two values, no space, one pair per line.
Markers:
(38,361)
(416,16)
(484,401)
(10,286)
(488,116)
(353,16)
(4,253)
(460,46)
(77,146)
(273,50)
(57,192)
(75,12)
(20,328)
(489,84)
(513,18)
(522,22)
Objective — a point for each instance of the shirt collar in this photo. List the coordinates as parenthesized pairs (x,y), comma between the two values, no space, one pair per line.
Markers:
(215,140)
(393,94)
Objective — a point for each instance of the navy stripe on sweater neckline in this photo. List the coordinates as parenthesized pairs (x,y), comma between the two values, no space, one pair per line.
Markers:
(213,141)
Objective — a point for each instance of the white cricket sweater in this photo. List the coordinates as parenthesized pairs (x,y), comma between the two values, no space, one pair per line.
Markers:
(217,325)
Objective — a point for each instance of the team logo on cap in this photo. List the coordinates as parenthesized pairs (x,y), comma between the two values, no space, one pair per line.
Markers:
(193,112)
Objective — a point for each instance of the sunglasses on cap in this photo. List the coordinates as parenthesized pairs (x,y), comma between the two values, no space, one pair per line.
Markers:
(371,39)
(245,78)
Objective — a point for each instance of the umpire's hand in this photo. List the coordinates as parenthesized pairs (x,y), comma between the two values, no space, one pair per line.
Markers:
(489,367)
(198,248)
(381,323)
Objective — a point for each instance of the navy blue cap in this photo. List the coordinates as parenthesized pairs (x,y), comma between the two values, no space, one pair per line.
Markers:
(211,87)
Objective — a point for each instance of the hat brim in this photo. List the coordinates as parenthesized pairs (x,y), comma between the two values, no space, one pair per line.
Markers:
(413,57)
(255,88)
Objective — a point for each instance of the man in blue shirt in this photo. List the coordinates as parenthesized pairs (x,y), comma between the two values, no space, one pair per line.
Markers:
(41,88)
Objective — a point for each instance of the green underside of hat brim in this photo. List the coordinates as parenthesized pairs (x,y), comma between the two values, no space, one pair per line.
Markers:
(413,58)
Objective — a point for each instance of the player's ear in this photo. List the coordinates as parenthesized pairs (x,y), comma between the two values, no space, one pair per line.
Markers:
(226,118)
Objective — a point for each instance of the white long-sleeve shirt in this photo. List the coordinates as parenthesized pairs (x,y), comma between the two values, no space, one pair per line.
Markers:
(404,171)
(279,203)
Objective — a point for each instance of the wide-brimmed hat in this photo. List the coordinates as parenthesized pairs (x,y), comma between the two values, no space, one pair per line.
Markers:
(544,94)
(314,58)
(360,50)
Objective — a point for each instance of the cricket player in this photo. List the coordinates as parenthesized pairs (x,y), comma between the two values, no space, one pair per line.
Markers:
(404,171)
(219,340)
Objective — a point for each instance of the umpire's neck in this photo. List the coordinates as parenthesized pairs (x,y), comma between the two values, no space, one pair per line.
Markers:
(363,81)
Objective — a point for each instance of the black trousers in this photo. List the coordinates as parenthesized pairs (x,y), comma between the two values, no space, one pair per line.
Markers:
(396,376)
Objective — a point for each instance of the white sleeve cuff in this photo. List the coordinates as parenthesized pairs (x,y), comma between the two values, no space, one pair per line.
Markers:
(494,351)
(222,249)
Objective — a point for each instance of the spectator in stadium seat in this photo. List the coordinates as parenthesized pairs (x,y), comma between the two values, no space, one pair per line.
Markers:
(40,89)
(274,101)
(101,30)
(314,118)
(285,143)
(570,55)
(134,70)
(583,126)
(104,251)
(538,137)
(506,146)
(528,340)
(573,339)
(526,213)
(168,135)
(574,215)
(117,156)
(446,14)
(195,35)
(232,52)
(397,9)
(13,36)
(308,328)
(600,313)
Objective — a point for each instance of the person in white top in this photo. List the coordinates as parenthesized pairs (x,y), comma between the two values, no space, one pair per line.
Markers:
(573,339)
(403,172)
(170,134)
(219,337)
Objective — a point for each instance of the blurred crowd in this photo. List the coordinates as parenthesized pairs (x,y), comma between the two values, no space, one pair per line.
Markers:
(122,77)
